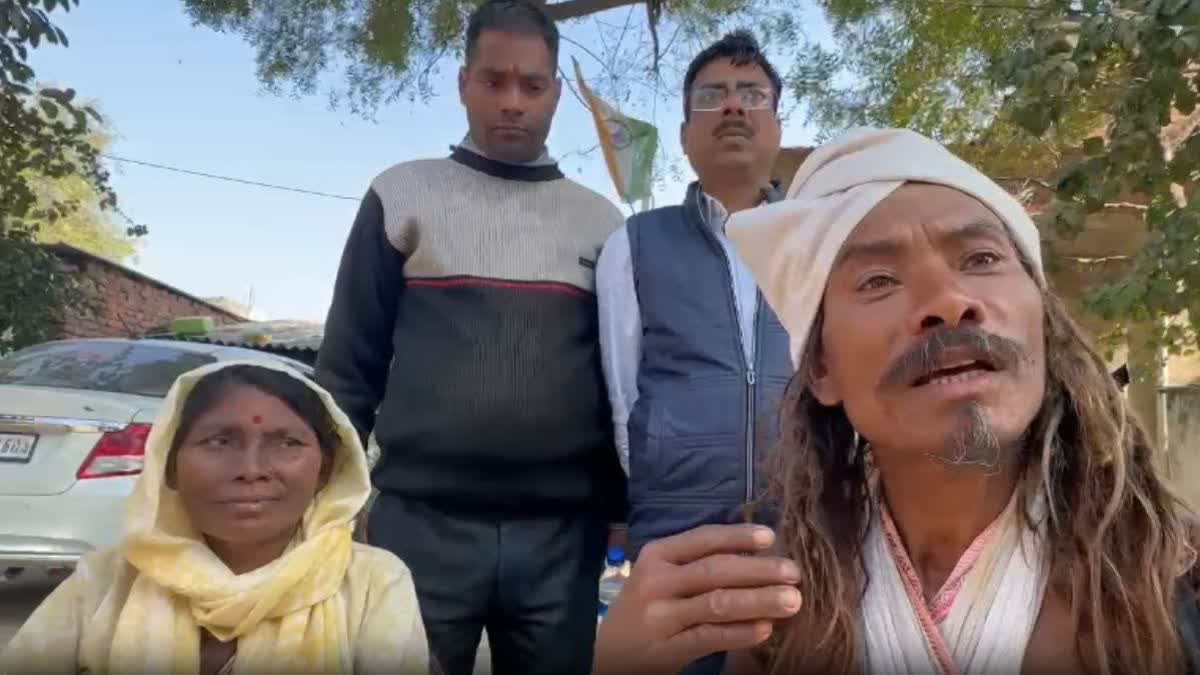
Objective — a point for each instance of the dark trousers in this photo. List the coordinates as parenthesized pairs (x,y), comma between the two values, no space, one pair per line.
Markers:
(532,582)
(712,664)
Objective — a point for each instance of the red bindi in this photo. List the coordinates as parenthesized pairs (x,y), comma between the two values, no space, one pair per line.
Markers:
(257,419)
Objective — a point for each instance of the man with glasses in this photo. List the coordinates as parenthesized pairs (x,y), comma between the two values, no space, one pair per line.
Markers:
(695,363)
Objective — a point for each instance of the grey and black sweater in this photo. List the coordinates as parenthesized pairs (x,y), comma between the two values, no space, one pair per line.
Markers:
(465,314)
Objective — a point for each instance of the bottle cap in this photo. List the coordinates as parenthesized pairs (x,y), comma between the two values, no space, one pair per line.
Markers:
(616,555)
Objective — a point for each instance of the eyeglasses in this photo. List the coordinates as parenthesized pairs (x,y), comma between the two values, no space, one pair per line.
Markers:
(711,99)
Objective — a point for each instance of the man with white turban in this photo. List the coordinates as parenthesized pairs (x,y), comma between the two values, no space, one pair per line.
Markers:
(962,487)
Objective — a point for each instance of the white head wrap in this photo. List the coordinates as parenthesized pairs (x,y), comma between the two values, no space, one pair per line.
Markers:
(791,245)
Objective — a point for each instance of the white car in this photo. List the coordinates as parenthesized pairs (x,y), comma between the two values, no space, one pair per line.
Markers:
(74,416)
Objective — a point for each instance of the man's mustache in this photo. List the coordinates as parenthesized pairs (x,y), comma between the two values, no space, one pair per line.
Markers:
(733,125)
(927,356)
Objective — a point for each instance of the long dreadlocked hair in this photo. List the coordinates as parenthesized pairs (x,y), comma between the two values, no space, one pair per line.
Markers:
(1120,539)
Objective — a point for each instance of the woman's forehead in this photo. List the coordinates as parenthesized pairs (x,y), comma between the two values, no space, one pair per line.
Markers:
(246,403)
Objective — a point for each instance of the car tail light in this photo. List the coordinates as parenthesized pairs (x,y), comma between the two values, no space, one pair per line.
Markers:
(117,453)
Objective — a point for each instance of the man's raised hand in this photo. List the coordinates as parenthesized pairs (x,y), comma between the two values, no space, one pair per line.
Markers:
(695,594)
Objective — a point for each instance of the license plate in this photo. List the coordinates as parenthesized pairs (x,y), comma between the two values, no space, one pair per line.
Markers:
(16,447)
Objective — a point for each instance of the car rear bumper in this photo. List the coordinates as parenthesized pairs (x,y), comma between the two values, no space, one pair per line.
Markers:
(40,552)
(54,531)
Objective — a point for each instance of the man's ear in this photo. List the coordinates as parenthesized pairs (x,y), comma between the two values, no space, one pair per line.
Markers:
(462,85)
(683,134)
(821,384)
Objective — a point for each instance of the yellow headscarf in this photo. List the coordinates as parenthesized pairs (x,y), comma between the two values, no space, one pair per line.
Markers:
(286,616)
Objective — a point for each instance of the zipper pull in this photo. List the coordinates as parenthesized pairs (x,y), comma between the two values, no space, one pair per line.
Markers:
(750,377)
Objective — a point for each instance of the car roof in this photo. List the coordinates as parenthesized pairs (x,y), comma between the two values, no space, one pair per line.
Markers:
(219,352)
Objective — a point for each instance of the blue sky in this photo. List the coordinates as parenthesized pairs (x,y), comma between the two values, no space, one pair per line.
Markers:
(186,96)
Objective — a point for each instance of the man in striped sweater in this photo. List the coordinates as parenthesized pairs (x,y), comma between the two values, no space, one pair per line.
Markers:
(463,333)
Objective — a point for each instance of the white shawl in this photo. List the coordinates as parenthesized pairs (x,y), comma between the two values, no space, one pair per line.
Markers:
(981,620)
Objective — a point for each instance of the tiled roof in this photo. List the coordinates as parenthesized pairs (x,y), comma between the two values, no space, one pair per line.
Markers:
(284,335)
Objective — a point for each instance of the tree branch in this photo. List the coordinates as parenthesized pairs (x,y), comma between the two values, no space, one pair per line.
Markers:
(590,53)
(1023,179)
(579,153)
(573,9)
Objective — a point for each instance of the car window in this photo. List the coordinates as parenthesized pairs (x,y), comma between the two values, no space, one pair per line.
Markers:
(119,367)
(249,354)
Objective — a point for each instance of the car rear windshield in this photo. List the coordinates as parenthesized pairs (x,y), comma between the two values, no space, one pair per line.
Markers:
(119,367)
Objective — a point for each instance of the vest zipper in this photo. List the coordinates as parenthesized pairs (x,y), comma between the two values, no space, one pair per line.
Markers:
(747,365)
(751,413)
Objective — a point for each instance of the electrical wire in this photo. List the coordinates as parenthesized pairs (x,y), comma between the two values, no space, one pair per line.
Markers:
(230,179)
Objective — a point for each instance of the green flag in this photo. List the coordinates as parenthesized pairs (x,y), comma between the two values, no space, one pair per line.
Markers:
(628,145)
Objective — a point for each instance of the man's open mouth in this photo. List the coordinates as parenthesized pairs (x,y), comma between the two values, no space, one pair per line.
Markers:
(958,371)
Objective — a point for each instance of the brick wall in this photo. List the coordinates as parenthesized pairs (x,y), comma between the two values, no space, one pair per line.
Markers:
(131,304)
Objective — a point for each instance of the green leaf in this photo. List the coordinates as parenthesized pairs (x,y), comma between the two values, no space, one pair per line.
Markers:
(1185,97)
(1034,118)
(17,19)
(1069,218)
(49,108)
(1190,41)
(1174,7)
(63,96)
(1127,35)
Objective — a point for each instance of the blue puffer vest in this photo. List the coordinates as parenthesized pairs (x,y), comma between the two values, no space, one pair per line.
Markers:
(704,417)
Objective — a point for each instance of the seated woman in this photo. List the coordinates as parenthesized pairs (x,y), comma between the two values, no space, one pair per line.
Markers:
(236,554)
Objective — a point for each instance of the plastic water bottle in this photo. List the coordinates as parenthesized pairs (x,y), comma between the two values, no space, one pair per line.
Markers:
(616,571)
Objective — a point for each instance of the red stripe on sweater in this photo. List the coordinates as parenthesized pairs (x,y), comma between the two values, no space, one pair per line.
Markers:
(467,282)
